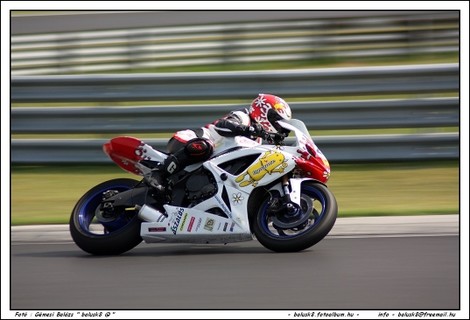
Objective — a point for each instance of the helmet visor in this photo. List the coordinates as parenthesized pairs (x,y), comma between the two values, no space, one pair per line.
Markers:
(273,118)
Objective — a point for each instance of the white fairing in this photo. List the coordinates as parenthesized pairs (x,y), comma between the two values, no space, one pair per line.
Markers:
(195,225)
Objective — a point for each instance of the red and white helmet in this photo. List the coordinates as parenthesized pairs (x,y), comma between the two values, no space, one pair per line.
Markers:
(267,109)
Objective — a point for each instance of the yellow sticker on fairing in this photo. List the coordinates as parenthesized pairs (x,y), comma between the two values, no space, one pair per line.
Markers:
(271,161)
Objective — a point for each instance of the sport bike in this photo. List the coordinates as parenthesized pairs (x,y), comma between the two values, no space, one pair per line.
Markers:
(275,194)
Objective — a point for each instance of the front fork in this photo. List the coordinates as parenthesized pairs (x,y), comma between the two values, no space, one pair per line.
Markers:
(289,205)
(292,189)
(286,210)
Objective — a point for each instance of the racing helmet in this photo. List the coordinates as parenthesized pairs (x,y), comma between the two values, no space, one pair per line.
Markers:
(267,109)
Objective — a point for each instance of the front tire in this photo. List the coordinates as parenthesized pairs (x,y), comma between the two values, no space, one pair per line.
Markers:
(113,237)
(317,201)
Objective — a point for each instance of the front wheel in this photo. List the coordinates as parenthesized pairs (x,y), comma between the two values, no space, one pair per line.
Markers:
(112,233)
(315,217)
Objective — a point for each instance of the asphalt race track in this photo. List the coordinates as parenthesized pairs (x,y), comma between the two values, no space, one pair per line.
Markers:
(347,270)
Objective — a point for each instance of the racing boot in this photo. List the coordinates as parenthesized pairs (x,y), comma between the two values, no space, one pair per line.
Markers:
(195,150)
(157,179)
(158,176)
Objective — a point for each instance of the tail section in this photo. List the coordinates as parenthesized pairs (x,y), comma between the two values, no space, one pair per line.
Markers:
(128,152)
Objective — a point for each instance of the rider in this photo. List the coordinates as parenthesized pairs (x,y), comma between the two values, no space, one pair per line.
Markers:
(191,146)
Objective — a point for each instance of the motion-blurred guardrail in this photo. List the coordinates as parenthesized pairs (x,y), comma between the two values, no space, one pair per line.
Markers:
(238,85)
(356,37)
(396,113)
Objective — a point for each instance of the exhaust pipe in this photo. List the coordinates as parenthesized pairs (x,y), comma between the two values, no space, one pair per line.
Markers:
(149,214)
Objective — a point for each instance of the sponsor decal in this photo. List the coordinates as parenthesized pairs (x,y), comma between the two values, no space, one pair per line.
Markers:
(209,225)
(190,225)
(177,221)
(237,198)
(183,222)
(225,226)
(271,161)
(157,229)
(199,221)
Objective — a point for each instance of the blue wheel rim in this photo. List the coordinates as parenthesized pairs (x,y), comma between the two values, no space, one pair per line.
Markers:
(266,221)
(86,211)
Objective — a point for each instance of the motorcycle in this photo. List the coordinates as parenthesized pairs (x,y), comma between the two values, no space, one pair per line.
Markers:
(276,194)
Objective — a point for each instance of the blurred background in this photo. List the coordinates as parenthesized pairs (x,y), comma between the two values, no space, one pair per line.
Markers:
(379,91)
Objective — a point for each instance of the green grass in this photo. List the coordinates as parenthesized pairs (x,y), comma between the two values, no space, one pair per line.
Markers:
(46,194)
(396,188)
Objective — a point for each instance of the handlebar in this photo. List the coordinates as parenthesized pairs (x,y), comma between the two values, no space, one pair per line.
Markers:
(273,138)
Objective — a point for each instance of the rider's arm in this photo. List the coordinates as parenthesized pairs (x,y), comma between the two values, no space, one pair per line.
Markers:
(236,123)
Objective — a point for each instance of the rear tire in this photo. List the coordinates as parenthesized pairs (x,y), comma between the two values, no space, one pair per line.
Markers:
(314,195)
(121,237)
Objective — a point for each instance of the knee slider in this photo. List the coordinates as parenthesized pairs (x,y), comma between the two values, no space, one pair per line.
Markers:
(199,148)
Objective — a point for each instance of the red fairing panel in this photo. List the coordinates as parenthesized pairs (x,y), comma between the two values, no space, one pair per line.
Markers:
(313,163)
(126,152)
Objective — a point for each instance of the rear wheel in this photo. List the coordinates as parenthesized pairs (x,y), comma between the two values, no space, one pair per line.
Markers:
(285,231)
(110,231)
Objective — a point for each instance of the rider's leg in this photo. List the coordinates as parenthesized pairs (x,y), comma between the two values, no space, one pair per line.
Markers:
(195,150)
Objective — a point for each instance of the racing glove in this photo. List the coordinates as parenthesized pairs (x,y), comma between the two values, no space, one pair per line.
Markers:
(250,131)
(257,130)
